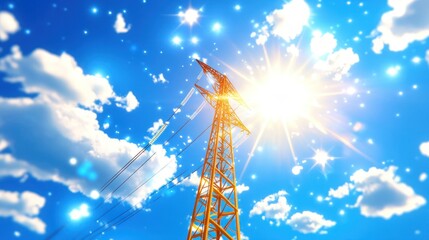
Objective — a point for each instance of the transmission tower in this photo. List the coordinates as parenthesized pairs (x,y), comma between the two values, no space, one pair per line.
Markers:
(216,213)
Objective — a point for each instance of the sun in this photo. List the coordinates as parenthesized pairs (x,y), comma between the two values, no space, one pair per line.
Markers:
(283,96)
(289,99)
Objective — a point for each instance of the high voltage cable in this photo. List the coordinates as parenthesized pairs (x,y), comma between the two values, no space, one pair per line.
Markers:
(109,224)
(136,211)
(144,163)
(133,159)
(155,174)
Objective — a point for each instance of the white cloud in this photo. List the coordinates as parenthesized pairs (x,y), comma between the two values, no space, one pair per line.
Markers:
(309,222)
(262,36)
(80,212)
(382,193)
(293,50)
(423,176)
(286,22)
(338,63)
(243,237)
(160,78)
(58,79)
(3,144)
(322,44)
(156,126)
(424,149)
(8,25)
(289,21)
(341,191)
(120,26)
(60,123)
(23,208)
(242,188)
(129,103)
(193,180)
(273,206)
(407,22)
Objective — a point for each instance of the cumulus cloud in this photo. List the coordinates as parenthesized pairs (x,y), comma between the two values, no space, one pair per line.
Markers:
(341,191)
(120,26)
(273,206)
(322,44)
(407,22)
(156,126)
(424,149)
(383,194)
(8,25)
(159,79)
(23,208)
(243,237)
(242,188)
(423,176)
(129,102)
(289,21)
(286,22)
(193,180)
(293,50)
(44,132)
(309,222)
(338,63)
(57,79)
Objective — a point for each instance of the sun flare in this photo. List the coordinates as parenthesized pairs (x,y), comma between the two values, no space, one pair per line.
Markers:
(283,97)
(287,98)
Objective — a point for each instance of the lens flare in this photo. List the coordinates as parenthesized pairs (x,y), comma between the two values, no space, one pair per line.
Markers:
(290,97)
(190,16)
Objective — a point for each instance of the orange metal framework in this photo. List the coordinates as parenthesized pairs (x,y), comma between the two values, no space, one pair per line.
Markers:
(216,213)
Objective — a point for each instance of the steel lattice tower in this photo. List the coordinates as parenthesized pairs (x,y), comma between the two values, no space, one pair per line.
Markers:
(216,212)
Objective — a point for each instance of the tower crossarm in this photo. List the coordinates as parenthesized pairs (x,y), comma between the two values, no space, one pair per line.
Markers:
(212,99)
(219,79)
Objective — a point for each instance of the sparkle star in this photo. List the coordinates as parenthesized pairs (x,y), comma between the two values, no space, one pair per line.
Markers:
(190,16)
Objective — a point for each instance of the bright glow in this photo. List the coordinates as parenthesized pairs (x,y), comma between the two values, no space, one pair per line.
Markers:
(196,56)
(284,97)
(416,60)
(287,99)
(190,16)
(94,194)
(216,27)
(177,40)
(237,7)
(393,71)
(296,170)
(73,161)
(94,10)
(321,158)
(79,213)
(351,91)
(194,40)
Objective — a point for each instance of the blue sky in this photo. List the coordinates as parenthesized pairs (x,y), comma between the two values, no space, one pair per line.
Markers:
(337,95)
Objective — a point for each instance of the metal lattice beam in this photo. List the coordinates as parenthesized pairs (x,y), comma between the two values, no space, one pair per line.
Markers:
(216,212)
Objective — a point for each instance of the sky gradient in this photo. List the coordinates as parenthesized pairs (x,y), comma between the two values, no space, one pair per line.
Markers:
(337,106)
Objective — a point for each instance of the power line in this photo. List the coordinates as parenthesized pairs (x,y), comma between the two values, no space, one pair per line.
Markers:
(154,175)
(133,159)
(109,224)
